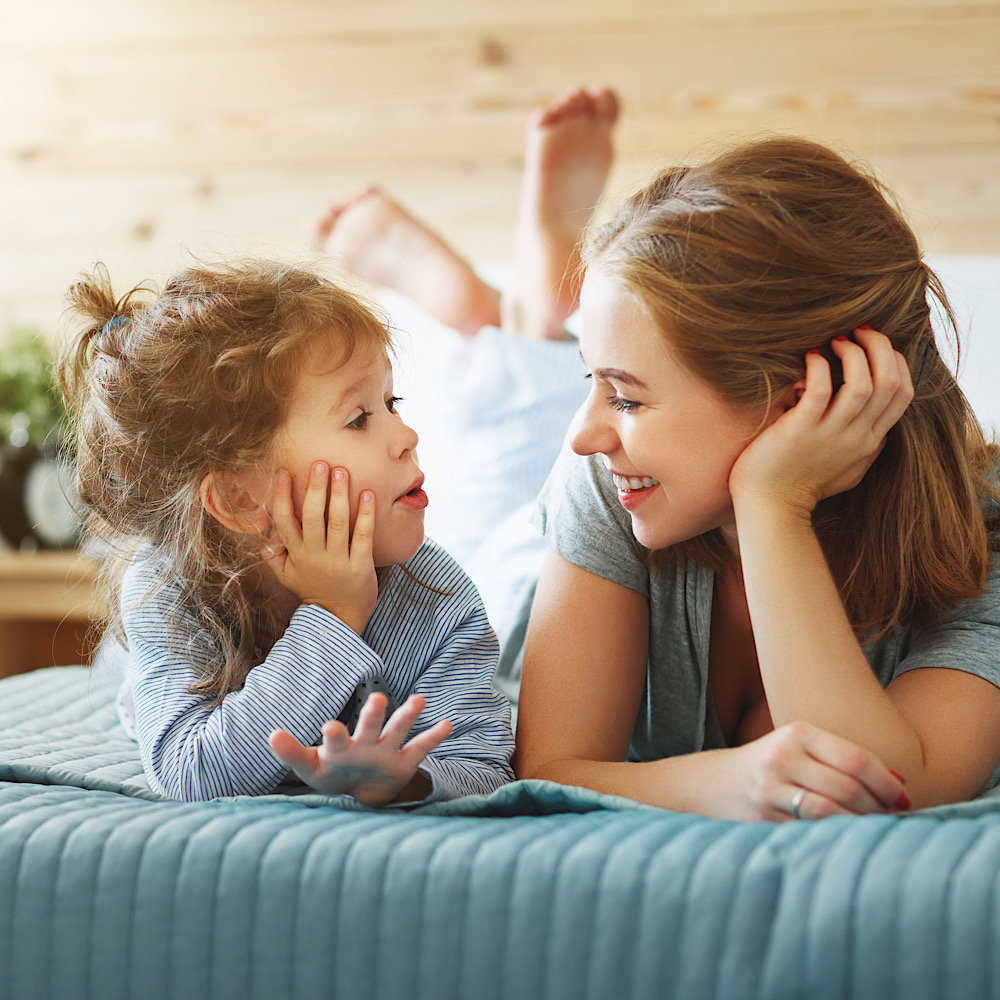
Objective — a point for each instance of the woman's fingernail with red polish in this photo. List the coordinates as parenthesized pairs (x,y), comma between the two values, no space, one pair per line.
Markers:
(815,350)
(903,802)
(898,776)
(841,337)
(864,326)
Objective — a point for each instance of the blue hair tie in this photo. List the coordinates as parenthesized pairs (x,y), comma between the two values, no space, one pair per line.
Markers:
(114,322)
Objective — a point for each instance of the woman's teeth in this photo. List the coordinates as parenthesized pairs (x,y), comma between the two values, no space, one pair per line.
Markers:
(634,482)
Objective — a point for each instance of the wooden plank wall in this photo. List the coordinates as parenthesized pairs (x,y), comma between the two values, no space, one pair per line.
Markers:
(130,132)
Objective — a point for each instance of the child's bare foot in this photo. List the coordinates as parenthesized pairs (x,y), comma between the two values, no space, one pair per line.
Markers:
(567,159)
(380,241)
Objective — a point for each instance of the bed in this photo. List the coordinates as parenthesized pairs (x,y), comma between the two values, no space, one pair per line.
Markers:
(107,890)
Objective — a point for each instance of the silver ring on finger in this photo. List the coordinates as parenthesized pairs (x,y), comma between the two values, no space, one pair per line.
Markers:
(797,803)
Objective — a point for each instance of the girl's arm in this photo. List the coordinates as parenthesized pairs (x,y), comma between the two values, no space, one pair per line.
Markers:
(938,727)
(194,749)
(582,682)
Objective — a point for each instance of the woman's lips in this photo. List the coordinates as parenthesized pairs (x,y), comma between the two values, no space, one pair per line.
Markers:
(632,490)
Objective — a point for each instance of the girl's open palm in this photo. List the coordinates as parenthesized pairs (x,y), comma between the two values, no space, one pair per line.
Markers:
(826,443)
(321,560)
(372,765)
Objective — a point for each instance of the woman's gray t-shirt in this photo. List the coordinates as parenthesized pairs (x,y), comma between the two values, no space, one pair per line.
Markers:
(583,522)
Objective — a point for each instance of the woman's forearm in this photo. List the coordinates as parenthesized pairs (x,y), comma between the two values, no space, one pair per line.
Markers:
(697,782)
(811,664)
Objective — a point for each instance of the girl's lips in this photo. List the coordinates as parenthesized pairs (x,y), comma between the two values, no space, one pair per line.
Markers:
(415,499)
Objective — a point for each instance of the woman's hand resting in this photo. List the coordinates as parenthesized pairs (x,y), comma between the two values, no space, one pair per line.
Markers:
(801,769)
(372,765)
(825,443)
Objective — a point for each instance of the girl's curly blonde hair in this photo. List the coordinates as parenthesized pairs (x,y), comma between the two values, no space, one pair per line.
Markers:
(164,389)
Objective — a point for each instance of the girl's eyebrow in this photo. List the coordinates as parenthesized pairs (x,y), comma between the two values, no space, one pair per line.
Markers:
(351,390)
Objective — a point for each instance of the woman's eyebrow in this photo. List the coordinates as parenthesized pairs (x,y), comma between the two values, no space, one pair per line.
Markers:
(620,375)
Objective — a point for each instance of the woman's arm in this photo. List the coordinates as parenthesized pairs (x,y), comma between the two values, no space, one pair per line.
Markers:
(812,666)
(582,682)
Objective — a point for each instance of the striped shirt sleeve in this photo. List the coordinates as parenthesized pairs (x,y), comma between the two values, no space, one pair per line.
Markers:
(437,644)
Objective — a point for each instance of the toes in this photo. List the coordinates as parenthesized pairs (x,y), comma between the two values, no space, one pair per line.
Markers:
(606,105)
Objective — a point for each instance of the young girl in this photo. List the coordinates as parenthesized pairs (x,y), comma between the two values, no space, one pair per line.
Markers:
(771,589)
(239,447)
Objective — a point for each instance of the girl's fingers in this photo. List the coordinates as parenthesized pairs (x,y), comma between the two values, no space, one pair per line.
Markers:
(371,719)
(338,528)
(402,720)
(426,742)
(291,752)
(335,737)
(314,506)
(286,524)
(364,529)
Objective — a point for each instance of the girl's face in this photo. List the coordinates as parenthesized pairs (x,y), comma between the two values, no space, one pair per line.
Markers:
(345,416)
(668,440)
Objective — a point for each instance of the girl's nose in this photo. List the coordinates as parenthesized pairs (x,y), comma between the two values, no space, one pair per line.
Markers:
(404,440)
(588,433)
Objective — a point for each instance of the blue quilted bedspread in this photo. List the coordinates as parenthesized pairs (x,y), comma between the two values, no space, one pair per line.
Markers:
(535,891)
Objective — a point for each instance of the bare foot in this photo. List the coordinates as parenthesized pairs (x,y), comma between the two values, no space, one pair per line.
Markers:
(567,159)
(380,241)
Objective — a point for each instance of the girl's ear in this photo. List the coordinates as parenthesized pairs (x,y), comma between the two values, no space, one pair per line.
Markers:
(233,503)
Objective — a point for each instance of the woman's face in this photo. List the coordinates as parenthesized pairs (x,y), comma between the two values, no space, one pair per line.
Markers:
(667,438)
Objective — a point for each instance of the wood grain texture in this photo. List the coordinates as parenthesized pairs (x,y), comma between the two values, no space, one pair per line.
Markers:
(131,132)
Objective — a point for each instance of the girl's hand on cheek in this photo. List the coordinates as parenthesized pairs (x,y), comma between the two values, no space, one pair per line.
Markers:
(321,561)
(372,765)
(825,443)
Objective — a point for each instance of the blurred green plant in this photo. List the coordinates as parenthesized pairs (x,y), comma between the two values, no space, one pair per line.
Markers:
(30,405)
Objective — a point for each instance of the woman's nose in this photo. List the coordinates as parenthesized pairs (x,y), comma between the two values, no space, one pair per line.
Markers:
(588,433)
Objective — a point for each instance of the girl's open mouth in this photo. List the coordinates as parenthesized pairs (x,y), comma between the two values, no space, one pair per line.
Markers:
(415,498)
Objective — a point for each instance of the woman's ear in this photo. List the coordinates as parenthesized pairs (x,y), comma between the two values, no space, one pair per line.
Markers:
(792,394)
(232,500)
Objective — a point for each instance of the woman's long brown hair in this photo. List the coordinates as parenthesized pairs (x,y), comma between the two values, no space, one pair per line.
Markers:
(773,247)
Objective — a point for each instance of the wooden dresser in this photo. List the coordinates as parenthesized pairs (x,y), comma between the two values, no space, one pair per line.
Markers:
(46,603)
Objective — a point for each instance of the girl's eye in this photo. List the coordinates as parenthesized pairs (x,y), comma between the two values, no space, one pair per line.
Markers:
(392,402)
(360,421)
(623,405)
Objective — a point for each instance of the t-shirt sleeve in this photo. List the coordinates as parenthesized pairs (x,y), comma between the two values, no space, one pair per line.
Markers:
(579,514)
(965,638)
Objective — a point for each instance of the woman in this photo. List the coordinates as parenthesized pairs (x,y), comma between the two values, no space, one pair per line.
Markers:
(769,588)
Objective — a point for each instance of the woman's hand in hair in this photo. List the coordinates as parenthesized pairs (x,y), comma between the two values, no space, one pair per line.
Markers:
(824,442)
(372,764)
(321,560)
(800,768)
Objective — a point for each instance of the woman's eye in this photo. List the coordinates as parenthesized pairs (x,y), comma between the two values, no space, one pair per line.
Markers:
(623,405)
(392,402)
(360,421)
